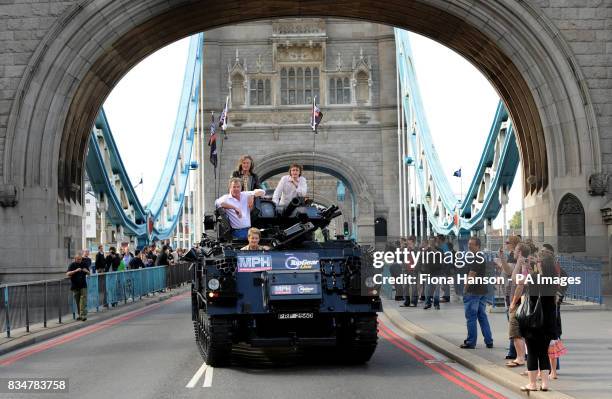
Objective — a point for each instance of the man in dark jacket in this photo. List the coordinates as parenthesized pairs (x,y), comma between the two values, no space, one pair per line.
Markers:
(164,258)
(151,256)
(433,267)
(112,260)
(137,261)
(78,271)
(100,264)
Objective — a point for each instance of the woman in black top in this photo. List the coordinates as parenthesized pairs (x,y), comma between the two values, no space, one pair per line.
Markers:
(538,339)
(244,171)
(164,258)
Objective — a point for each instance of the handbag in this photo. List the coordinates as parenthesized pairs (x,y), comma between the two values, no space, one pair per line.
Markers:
(556,349)
(530,317)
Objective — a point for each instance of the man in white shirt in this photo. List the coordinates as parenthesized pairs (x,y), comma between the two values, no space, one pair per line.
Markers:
(290,186)
(237,204)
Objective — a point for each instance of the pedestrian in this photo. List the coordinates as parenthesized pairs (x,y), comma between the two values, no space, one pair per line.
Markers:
(175,256)
(78,271)
(164,258)
(475,299)
(458,271)
(113,260)
(556,348)
(433,267)
(446,267)
(521,267)
(395,270)
(152,255)
(411,291)
(100,264)
(87,259)
(538,337)
(137,261)
(506,265)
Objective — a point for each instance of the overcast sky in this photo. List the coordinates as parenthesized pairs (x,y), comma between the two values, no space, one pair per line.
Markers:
(459,104)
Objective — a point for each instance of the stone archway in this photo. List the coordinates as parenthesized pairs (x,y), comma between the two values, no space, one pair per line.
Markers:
(339,167)
(94,43)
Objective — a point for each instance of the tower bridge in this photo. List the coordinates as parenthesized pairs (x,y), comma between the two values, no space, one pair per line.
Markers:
(61,61)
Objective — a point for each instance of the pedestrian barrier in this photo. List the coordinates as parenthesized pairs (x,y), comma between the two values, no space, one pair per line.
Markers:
(28,303)
(589,271)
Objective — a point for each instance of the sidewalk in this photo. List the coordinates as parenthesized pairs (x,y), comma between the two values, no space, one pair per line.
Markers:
(20,338)
(586,371)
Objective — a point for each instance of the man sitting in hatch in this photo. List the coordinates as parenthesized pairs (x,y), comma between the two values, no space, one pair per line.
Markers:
(254,237)
(237,204)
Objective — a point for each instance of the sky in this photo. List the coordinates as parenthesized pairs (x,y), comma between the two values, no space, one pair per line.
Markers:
(459,104)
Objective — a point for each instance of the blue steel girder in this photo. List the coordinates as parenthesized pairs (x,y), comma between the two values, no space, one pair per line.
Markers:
(108,175)
(495,172)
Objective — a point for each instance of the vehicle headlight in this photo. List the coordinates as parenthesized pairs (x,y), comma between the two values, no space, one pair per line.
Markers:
(213,284)
(369,282)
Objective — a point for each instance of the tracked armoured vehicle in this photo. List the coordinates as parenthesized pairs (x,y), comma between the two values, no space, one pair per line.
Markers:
(301,293)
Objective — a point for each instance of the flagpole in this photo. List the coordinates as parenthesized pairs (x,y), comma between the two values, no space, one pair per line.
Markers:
(219,160)
(461,186)
(314,145)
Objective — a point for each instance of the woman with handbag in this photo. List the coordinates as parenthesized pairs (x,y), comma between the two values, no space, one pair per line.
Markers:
(537,317)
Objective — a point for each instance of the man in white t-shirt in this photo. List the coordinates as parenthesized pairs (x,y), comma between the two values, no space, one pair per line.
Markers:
(237,204)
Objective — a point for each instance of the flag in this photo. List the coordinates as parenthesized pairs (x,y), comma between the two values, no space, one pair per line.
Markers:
(315,116)
(457,173)
(212,140)
(223,117)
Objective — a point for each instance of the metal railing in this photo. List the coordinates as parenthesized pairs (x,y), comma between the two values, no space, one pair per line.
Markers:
(25,304)
(589,271)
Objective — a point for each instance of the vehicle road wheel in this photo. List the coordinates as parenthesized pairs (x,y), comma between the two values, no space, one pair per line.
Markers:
(359,338)
(213,336)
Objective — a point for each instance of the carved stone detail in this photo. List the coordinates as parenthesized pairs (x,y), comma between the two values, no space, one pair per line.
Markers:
(598,184)
(298,27)
(299,54)
(8,195)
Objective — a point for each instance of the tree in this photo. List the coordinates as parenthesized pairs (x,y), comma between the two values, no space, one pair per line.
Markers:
(515,222)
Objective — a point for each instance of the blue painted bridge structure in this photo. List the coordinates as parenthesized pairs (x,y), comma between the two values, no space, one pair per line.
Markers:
(420,166)
(109,179)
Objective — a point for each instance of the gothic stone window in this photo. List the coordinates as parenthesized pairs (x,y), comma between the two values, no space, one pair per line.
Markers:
(299,84)
(570,225)
(260,92)
(237,90)
(363,90)
(339,91)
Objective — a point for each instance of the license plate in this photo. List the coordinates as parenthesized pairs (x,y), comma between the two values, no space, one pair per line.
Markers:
(292,316)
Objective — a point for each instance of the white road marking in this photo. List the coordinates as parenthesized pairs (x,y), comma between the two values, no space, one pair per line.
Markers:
(196,377)
(208,376)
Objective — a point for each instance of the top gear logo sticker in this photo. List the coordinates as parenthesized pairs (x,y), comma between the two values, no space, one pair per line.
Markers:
(294,263)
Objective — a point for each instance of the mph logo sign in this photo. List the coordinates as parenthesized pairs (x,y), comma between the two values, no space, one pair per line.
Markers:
(295,263)
(254,263)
